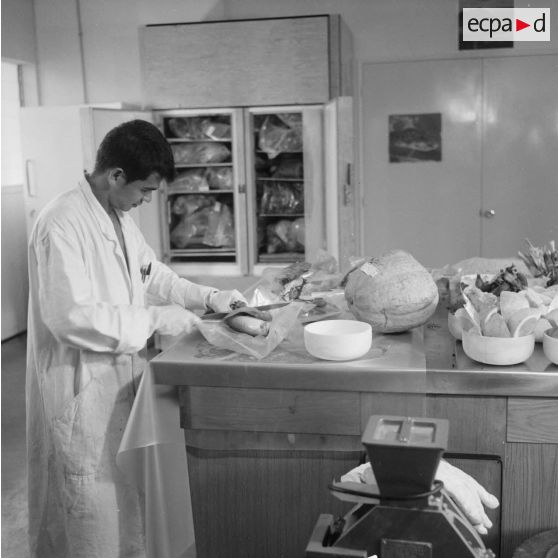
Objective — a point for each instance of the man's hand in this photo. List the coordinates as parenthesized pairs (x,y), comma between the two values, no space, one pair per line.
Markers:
(172,320)
(225,301)
(470,496)
(362,473)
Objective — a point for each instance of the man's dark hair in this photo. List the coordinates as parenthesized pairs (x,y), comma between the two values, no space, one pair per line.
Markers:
(139,149)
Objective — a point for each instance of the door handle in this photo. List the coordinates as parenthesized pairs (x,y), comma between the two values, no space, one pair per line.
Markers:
(348,186)
(30,176)
(488,213)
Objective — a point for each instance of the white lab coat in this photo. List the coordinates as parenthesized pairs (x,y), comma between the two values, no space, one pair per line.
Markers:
(87,323)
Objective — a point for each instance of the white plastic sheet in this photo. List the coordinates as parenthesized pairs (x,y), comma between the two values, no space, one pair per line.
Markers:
(153,455)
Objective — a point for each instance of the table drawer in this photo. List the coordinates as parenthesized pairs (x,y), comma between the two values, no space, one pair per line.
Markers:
(266,410)
(532,420)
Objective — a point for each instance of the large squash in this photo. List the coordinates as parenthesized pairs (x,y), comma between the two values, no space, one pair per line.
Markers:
(392,293)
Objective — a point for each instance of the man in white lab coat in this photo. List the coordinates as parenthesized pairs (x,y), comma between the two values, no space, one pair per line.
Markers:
(91,273)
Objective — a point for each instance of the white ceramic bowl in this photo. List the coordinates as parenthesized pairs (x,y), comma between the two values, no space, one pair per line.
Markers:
(542,325)
(550,345)
(498,350)
(338,339)
(454,326)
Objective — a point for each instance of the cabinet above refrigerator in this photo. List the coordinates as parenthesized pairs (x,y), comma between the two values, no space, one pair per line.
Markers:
(246,62)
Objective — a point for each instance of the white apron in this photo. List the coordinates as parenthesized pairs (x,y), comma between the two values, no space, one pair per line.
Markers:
(87,323)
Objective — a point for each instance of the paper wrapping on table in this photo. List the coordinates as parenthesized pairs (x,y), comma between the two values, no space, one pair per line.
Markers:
(303,279)
(220,335)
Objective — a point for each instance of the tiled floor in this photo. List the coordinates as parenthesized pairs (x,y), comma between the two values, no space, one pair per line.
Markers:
(14,481)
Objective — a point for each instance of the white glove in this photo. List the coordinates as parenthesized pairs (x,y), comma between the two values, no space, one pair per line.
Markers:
(221,301)
(469,495)
(172,320)
(362,473)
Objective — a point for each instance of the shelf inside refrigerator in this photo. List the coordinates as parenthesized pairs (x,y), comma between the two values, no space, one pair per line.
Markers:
(278,179)
(203,251)
(201,257)
(284,151)
(283,257)
(207,140)
(183,190)
(200,164)
(280,215)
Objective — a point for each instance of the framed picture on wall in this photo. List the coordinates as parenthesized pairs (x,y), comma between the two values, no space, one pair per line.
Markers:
(415,137)
(476,45)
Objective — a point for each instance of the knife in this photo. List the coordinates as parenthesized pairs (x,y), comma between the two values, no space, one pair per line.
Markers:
(221,315)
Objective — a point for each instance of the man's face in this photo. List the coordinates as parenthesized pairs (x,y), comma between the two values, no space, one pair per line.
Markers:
(126,195)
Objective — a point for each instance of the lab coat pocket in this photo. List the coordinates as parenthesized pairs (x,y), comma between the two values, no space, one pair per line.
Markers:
(79,432)
(79,498)
(91,516)
(86,437)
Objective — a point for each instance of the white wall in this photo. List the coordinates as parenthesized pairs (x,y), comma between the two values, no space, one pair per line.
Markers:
(14,262)
(18,46)
(12,169)
(383,30)
(109,69)
(390,29)
(18,30)
(14,250)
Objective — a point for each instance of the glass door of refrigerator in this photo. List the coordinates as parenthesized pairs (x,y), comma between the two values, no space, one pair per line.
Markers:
(278,179)
(201,203)
(285,176)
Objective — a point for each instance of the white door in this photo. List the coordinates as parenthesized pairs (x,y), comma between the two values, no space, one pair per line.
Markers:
(58,144)
(520,155)
(52,154)
(428,207)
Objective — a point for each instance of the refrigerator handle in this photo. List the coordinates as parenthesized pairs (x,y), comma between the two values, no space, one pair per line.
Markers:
(348,186)
(30,178)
